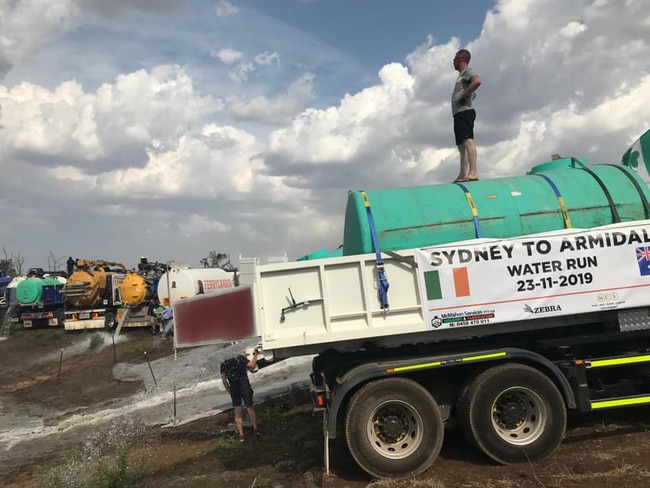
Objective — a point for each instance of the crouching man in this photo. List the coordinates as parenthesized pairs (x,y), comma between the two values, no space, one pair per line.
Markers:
(234,375)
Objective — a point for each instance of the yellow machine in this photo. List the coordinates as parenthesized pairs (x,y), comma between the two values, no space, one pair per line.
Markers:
(134,290)
(137,292)
(87,286)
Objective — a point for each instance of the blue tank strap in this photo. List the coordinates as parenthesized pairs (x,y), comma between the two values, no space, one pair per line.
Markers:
(472,207)
(639,190)
(612,206)
(382,289)
(560,200)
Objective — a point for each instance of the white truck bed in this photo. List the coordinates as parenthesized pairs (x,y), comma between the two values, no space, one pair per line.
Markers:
(337,300)
(477,287)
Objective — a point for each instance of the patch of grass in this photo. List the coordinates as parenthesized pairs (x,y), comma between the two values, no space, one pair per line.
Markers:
(122,472)
(227,445)
(54,338)
(313,477)
(103,460)
(274,411)
(287,418)
(76,471)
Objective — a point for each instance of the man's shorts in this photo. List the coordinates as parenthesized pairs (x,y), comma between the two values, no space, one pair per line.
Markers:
(245,396)
(464,125)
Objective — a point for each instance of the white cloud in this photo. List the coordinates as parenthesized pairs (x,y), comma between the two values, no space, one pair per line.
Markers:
(538,63)
(117,122)
(267,58)
(364,123)
(117,7)
(217,162)
(28,24)
(276,110)
(241,72)
(196,226)
(150,153)
(228,56)
(225,9)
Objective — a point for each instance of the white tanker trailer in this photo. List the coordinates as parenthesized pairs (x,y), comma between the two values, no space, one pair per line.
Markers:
(180,283)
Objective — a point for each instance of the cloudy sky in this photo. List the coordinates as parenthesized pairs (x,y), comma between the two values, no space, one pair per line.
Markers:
(171,128)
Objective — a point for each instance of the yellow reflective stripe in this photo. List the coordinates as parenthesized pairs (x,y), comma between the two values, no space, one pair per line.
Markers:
(601,363)
(472,205)
(414,366)
(622,402)
(364,197)
(565,212)
(484,356)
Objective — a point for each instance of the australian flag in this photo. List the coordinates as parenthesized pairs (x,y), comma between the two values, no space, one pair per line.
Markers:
(643,258)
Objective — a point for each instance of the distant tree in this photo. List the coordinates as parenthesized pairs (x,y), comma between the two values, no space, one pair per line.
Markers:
(54,263)
(11,263)
(218,260)
(7,266)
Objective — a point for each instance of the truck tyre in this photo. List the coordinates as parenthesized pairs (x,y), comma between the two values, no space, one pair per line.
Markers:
(514,413)
(393,428)
(109,321)
(462,414)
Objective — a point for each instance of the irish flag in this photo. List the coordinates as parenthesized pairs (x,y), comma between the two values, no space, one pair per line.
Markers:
(637,157)
(447,284)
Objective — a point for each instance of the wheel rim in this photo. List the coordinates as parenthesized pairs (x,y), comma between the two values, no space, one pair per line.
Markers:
(519,416)
(109,320)
(395,429)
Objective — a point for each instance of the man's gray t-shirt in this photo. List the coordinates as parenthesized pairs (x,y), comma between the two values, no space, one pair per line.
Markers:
(461,83)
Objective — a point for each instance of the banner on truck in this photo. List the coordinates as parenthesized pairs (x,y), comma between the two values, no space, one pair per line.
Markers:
(559,273)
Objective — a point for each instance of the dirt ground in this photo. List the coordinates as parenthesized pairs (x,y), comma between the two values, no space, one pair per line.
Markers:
(604,450)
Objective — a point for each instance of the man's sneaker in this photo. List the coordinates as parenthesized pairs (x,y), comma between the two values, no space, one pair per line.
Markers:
(241,438)
(257,433)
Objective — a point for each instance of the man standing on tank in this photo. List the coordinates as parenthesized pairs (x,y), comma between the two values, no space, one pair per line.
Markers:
(464,115)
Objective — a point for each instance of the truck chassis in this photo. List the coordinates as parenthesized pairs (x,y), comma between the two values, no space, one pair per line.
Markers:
(509,398)
(497,337)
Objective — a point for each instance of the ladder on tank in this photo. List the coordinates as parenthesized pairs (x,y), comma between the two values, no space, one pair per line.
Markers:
(5,327)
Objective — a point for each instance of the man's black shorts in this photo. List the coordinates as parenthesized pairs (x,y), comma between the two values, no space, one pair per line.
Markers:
(245,396)
(464,125)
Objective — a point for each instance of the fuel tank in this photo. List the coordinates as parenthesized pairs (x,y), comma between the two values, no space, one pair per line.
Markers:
(179,283)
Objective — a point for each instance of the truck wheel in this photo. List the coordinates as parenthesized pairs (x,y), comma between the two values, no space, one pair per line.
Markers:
(514,413)
(462,415)
(393,428)
(109,320)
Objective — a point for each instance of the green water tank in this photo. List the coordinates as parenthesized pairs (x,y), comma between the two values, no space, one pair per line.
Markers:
(554,195)
(30,291)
